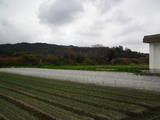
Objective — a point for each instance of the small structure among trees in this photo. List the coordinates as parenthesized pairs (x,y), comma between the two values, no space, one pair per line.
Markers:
(154,43)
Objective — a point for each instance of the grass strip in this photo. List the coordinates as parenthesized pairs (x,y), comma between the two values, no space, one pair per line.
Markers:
(115,98)
(111,105)
(93,109)
(91,94)
(44,86)
(134,94)
(13,112)
(2,117)
(132,110)
(56,112)
(66,107)
(82,87)
(109,96)
(115,68)
(25,106)
(153,115)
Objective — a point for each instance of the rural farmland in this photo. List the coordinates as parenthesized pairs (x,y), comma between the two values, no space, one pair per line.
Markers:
(33,98)
(113,79)
(79,60)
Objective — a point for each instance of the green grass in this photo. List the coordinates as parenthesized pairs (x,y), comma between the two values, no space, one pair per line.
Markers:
(73,101)
(9,110)
(138,69)
(113,68)
(58,113)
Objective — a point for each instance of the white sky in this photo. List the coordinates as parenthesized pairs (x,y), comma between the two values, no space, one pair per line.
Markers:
(80,22)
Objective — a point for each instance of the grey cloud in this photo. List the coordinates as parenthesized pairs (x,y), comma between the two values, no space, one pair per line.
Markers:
(131,41)
(10,34)
(3,3)
(105,5)
(126,23)
(117,21)
(120,18)
(60,12)
(130,29)
(93,30)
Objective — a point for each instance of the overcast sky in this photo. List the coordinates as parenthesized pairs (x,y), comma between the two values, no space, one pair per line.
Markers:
(80,22)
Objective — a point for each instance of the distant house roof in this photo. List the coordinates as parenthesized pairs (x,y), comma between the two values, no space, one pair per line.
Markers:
(152,38)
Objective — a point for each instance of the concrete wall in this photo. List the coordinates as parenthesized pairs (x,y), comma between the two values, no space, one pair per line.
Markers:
(155,57)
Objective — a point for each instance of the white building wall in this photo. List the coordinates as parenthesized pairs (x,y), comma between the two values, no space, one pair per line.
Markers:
(155,57)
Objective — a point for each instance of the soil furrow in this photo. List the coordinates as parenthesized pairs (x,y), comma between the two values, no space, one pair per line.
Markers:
(102,91)
(2,117)
(130,113)
(105,98)
(66,107)
(41,114)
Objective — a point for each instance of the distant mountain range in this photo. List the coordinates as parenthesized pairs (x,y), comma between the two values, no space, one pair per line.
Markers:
(32,48)
(53,49)
(42,53)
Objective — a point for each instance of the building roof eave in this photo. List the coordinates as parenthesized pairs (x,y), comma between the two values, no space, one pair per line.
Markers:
(151,38)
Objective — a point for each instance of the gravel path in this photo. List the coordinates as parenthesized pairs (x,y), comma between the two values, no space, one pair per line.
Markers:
(116,79)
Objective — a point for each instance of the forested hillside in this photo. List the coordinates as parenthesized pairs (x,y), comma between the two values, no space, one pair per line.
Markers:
(42,53)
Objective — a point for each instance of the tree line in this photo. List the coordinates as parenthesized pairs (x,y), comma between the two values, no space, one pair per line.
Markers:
(42,53)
